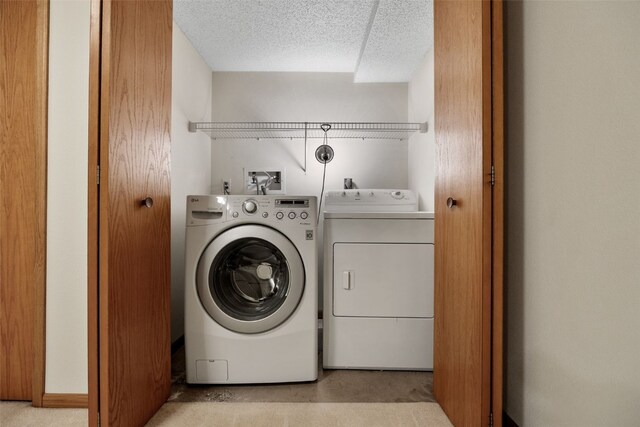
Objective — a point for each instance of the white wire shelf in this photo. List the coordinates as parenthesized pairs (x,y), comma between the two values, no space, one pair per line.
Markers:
(307,130)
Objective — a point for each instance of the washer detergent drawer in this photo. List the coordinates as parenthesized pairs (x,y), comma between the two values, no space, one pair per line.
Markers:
(383,279)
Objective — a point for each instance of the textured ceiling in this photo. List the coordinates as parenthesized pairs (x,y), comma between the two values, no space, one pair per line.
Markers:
(401,33)
(378,40)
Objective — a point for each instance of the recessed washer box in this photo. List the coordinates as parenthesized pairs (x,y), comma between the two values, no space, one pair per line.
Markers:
(270,178)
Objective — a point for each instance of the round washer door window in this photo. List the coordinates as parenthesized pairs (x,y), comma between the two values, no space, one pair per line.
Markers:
(250,279)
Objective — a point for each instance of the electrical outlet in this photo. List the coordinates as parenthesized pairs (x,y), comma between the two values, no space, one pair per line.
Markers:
(264,180)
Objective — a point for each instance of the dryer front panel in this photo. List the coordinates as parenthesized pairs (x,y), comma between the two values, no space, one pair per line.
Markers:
(250,279)
(383,280)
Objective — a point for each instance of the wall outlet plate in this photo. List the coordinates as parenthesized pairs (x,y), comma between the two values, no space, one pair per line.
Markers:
(272,179)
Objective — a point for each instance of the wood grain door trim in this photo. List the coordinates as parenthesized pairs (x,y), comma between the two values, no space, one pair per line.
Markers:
(103,191)
(93,212)
(487,232)
(497,333)
(42,96)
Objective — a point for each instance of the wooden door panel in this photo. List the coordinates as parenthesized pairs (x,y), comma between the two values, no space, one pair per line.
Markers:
(22,196)
(462,354)
(134,239)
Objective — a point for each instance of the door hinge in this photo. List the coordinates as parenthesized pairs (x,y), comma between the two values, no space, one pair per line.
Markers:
(98,419)
(493,175)
(491,419)
(98,175)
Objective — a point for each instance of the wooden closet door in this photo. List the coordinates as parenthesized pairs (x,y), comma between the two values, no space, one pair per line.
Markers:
(23,174)
(134,206)
(464,212)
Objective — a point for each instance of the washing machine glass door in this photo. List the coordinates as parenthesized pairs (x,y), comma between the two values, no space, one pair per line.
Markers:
(250,279)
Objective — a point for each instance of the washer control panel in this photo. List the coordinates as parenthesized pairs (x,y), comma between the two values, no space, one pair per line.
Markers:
(290,210)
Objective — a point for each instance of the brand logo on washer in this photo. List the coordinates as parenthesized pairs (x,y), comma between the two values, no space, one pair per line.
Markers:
(309,234)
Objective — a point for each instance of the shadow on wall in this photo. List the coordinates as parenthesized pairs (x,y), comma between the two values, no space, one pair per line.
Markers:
(514,215)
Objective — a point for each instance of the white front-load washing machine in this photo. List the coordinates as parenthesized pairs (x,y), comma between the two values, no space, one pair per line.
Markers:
(251,289)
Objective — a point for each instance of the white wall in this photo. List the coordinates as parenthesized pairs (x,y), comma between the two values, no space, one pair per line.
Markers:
(312,97)
(309,97)
(66,306)
(421,151)
(190,156)
(573,213)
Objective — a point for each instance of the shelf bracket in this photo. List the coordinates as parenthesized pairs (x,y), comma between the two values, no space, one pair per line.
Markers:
(424,127)
(192,127)
(304,168)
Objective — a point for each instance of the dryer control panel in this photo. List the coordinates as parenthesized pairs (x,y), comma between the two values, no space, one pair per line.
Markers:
(371,200)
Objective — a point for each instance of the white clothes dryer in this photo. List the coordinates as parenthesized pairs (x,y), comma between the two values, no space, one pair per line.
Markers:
(251,289)
(378,281)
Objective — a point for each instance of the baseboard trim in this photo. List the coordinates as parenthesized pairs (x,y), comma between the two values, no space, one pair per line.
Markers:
(507,421)
(65,400)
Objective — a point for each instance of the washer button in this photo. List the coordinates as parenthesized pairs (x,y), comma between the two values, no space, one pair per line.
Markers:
(235,214)
(292,215)
(265,214)
(304,215)
(279,215)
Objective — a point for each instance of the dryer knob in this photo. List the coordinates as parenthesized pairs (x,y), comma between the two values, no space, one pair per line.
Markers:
(304,215)
(279,215)
(292,215)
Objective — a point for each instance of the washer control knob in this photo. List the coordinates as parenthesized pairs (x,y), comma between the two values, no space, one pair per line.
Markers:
(279,215)
(344,194)
(397,194)
(235,214)
(265,214)
(250,206)
(371,193)
(292,215)
(304,215)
